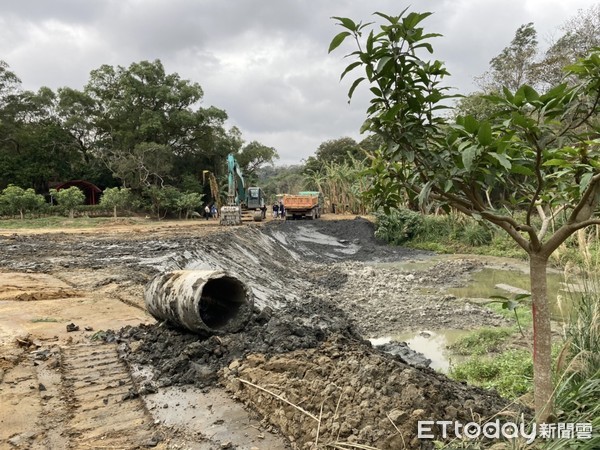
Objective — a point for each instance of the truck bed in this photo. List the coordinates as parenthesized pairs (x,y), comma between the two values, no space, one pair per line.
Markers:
(299,202)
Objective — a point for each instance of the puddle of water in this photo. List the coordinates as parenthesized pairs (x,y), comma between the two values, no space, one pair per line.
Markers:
(214,413)
(432,344)
(484,284)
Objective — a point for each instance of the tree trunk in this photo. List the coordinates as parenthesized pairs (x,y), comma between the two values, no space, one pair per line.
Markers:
(115,211)
(542,339)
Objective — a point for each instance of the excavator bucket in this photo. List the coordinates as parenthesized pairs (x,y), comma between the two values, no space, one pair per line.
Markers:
(231,215)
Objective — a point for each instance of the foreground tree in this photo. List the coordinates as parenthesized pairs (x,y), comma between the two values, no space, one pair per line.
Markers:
(69,199)
(19,200)
(545,147)
(115,198)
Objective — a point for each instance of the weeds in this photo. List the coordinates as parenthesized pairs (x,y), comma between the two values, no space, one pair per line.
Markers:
(510,373)
(578,389)
(482,341)
(512,305)
(450,233)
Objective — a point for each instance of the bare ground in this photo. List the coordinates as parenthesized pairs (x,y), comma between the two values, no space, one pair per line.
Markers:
(123,381)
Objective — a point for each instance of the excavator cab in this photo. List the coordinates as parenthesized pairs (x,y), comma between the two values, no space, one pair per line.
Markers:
(255,198)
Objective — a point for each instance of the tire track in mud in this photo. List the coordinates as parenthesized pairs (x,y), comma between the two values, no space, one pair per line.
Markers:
(105,409)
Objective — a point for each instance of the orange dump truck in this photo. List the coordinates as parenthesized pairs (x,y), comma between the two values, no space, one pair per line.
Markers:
(307,205)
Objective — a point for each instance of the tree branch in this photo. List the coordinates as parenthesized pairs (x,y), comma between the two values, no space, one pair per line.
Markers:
(547,219)
(539,178)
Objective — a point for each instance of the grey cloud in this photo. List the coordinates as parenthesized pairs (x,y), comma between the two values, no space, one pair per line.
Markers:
(264,62)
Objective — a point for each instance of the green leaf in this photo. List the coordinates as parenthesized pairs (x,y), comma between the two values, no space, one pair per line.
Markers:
(448,185)
(337,40)
(521,170)
(425,45)
(349,68)
(346,23)
(382,63)
(554,92)
(520,120)
(519,97)
(502,159)
(530,94)
(468,156)
(485,133)
(413,19)
(354,85)
(366,125)
(424,194)
(556,162)
(507,94)
(470,124)
(510,305)
(585,182)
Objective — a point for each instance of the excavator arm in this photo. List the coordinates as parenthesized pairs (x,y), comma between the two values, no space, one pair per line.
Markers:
(236,195)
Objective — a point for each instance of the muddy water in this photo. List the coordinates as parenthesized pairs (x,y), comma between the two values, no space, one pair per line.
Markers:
(489,282)
(432,344)
(502,276)
(498,277)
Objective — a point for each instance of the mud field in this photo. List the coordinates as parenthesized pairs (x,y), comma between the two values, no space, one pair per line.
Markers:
(83,365)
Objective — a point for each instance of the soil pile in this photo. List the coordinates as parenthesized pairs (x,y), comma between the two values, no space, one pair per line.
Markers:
(178,357)
(349,393)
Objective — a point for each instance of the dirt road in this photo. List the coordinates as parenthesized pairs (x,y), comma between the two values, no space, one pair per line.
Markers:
(83,365)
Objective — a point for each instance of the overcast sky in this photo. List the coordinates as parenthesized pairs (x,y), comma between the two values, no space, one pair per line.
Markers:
(264,62)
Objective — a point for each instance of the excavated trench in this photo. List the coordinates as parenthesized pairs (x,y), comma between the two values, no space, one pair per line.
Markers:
(280,316)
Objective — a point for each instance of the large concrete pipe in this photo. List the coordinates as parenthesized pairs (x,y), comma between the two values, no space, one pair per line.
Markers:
(203,301)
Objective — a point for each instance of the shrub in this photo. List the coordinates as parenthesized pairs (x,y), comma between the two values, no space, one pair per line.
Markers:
(481,341)
(399,226)
(476,234)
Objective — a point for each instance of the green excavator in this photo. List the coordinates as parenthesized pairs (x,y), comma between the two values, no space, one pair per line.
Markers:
(243,203)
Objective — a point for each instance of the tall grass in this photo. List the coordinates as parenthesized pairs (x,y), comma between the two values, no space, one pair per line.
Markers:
(578,389)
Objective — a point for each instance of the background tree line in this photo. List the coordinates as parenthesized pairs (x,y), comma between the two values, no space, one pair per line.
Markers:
(141,129)
(135,127)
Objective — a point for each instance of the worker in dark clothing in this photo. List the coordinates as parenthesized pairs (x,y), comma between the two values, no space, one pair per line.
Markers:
(281,211)
(275,211)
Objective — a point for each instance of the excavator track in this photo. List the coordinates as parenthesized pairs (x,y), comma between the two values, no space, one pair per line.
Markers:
(106,411)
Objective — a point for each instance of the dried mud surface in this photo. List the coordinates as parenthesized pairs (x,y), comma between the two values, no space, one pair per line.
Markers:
(321,288)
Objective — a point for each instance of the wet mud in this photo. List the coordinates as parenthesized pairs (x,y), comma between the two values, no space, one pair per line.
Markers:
(303,362)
